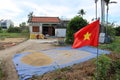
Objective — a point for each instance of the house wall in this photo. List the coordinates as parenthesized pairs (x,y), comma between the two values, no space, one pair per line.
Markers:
(35,24)
(58,32)
(33,35)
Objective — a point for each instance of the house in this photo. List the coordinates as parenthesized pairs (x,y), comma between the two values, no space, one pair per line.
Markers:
(48,26)
(5,24)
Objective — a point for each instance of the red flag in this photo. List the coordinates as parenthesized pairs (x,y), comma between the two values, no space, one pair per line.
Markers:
(88,35)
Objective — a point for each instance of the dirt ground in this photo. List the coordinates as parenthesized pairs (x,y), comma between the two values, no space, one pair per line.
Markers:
(8,52)
(13,40)
(9,42)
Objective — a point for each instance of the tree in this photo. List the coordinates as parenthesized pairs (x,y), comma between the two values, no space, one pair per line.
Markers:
(22,24)
(110,33)
(73,26)
(14,29)
(24,28)
(107,4)
(30,16)
(117,29)
(81,12)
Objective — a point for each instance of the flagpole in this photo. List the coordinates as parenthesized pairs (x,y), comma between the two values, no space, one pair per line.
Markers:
(97,59)
(97,63)
(98,42)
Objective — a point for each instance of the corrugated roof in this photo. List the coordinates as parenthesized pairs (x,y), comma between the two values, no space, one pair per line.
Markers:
(45,19)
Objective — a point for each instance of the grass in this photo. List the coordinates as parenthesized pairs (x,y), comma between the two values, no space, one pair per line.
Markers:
(2,73)
(114,46)
(13,35)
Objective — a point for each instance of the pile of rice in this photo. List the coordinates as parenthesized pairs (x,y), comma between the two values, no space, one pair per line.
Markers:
(37,59)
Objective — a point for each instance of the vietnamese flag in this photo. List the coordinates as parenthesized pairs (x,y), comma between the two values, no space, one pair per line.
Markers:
(87,36)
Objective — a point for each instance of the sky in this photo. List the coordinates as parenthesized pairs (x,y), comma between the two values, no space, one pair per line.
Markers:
(18,10)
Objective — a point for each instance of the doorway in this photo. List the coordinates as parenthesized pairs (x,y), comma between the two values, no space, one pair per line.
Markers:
(49,30)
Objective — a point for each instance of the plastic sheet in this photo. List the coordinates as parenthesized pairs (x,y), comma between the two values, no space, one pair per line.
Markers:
(62,57)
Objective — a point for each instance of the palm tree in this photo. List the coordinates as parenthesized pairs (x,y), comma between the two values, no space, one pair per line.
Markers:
(81,12)
(107,4)
(30,16)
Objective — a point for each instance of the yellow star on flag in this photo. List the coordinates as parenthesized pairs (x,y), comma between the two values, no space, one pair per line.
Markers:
(87,36)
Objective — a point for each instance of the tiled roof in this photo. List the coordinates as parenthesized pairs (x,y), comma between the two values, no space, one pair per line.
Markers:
(45,19)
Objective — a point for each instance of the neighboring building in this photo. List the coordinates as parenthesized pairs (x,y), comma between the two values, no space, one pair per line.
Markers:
(5,24)
(64,22)
(61,30)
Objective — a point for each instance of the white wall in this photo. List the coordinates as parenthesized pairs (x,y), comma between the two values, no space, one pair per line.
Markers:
(7,24)
(60,32)
(35,24)
(30,28)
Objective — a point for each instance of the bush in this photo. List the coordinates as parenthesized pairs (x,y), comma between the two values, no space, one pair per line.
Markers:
(103,67)
(111,32)
(14,30)
(1,30)
(117,69)
(117,31)
(73,26)
(2,73)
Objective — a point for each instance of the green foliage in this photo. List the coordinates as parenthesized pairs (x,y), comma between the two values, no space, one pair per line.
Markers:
(2,73)
(81,12)
(25,31)
(1,30)
(14,35)
(114,71)
(110,33)
(73,26)
(107,2)
(14,30)
(24,28)
(114,46)
(30,16)
(22,24)
(117,67)
(103,67)
(117,31)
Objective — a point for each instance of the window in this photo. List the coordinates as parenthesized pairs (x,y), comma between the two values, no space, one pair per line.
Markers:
(35,28)
(3,24)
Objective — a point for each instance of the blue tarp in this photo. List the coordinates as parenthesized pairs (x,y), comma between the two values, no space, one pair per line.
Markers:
(26,71)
